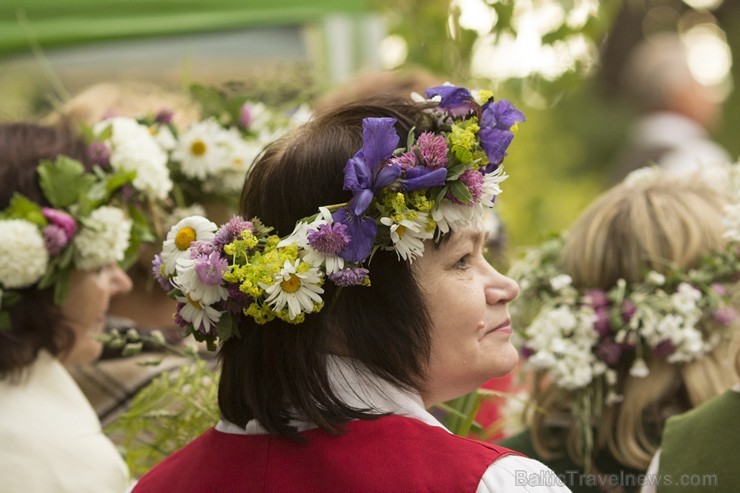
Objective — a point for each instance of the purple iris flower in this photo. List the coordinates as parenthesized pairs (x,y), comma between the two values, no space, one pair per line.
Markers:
(456,101)
(362,232)
(366,172)
(495,130)
(421,177)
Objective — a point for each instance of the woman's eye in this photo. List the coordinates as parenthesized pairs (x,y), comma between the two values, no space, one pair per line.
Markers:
(462,263)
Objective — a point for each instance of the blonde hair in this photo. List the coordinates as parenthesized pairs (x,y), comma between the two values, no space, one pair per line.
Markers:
(635,227)
(130,98)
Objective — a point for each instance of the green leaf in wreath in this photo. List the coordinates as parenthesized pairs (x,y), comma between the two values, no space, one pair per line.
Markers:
(64,181)
(461,192)
(21,207)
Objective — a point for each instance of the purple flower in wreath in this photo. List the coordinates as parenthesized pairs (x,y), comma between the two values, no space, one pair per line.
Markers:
(456,101)
(329,239)
(495,132)
(349,276)
(365,174)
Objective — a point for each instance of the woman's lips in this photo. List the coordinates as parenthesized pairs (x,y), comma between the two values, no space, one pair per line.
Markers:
(502,328)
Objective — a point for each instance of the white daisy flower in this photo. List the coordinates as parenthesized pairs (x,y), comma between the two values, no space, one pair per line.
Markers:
(104,238)
(23,253)
(408,236)
(492,186)
(203,317)
(163,136)
(179,238)
(299,290)
(188,281)
(449,215)
(201,151)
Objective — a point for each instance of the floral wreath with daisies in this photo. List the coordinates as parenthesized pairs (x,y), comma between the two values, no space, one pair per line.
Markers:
(94,220)
(204,162)
(578,338)
(402,196)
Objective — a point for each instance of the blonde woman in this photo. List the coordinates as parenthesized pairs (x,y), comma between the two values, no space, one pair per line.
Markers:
(633,308)
(711,432)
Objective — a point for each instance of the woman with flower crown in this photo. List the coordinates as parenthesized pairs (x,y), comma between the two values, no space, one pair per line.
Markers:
(61,241)
(335,338)
(631,313)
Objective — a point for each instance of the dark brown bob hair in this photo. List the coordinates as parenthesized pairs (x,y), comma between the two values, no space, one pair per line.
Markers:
(277,372)
(35,322)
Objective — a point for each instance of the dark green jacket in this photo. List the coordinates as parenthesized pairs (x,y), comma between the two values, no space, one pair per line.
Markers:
(610,472)
(700,450)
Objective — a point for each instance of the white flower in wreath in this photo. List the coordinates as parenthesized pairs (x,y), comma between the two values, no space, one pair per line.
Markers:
(133,148)
(23,253)
(408,235)
(449,215)
(203,317)
(299,237)
(492,186)
(104,238)
(201,150)
(298,288)
(179,238)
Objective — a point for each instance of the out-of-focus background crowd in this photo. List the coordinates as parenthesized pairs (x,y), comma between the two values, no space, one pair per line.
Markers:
(562,61)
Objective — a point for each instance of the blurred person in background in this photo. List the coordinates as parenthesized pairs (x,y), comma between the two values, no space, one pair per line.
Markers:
(677,112)
(632,313)
(711,433)
(59,272)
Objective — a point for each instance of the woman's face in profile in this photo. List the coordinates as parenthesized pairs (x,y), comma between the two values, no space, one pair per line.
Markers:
(467,300)
(86,306)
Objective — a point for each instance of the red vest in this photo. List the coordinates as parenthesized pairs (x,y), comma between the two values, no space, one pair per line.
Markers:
(389,454)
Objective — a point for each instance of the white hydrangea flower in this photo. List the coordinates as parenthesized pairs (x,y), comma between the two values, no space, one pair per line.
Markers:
(685,299)
(103,239)
(133,148)
(408,235)
(179,238)
(201,150)
(300,291)
(23,253)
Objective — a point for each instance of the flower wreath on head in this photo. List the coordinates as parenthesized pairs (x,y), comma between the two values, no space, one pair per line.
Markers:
(203,162)
(93,221)
(402,195)
(580,337)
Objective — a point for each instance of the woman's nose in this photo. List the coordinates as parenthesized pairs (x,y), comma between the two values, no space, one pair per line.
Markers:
(120,282)
(501,289)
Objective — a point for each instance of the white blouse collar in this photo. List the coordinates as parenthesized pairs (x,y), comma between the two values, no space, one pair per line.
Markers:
(357,387)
